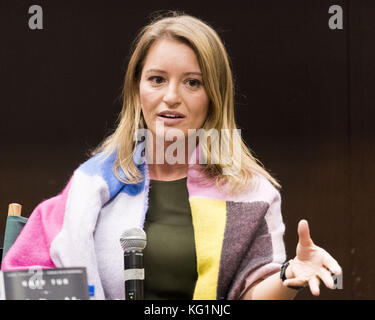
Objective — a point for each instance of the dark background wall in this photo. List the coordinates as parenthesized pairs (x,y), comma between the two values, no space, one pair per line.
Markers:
(305,104)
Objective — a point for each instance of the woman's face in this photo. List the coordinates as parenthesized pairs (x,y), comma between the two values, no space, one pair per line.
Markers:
(171,88)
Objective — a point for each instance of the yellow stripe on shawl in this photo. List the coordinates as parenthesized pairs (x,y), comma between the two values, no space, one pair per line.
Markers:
(209,218)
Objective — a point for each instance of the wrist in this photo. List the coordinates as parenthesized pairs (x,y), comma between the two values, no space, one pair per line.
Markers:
(286,273)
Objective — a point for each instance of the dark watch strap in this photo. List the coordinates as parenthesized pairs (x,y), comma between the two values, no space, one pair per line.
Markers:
(283,276)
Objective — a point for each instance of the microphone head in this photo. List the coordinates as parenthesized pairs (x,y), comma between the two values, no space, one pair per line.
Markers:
(133,239)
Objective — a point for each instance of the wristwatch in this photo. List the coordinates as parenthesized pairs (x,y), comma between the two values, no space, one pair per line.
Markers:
(283,276)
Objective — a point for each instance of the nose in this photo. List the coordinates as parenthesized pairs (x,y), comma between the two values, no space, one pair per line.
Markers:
(172,95)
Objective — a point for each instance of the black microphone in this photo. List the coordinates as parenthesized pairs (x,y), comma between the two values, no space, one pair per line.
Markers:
(133,241)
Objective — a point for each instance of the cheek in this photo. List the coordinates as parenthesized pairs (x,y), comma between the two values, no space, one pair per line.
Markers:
(201,110)
(142,95)
(146,100)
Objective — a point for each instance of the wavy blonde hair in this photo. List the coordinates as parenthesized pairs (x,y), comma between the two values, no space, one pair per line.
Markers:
(218,82)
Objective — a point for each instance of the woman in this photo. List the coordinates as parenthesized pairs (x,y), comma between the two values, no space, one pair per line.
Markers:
(214,226)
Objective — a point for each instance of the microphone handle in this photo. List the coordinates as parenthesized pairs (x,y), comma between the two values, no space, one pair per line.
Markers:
(133,263)
(134,290)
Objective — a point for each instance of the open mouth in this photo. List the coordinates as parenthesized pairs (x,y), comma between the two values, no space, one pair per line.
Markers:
(170,116)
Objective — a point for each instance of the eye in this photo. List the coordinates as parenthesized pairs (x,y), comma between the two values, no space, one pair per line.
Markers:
(194,83)
(156,80)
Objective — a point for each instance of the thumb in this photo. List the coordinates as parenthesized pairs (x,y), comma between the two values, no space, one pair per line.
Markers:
(304,234)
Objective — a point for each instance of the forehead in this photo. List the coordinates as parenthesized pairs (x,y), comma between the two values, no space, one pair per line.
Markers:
(172,55)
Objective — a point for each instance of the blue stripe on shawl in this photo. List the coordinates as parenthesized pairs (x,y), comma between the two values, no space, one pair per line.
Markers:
(102,166)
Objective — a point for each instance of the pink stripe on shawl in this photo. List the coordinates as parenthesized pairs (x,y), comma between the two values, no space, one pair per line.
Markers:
(197,183)
(32,247)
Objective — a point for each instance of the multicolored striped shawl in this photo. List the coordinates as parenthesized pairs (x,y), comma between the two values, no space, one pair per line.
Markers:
(238,239)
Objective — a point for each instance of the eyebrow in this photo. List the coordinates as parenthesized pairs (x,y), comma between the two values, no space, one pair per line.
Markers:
(164,72)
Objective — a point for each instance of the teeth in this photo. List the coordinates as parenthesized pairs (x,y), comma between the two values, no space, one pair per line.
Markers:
(170,116)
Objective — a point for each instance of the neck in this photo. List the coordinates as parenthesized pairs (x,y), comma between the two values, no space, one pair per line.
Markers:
(162,154)
(167,172)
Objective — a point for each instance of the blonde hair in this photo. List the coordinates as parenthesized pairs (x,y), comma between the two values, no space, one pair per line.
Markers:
(218,82)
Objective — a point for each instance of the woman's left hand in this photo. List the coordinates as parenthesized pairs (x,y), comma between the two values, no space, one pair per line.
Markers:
(311,264)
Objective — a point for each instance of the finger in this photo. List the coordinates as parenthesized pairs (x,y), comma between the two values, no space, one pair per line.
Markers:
(304,233)
(314,284)
(331,264)
(326,277)
(296,282)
